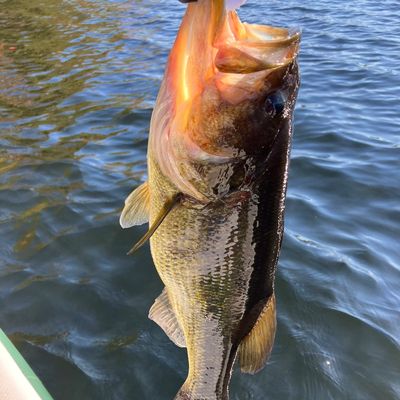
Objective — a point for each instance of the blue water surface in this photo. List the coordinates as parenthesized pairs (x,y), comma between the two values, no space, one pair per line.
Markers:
(78,80)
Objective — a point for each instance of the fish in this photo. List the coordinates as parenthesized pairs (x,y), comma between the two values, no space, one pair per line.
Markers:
(218,158)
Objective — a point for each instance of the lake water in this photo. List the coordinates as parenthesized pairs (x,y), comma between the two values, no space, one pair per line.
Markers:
(78,80)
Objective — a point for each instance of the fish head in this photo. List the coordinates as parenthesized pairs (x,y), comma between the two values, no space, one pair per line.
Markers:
(229,90)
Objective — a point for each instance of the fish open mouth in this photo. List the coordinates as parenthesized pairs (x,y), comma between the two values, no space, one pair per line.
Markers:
(213,44)
(243,48)
(218,69)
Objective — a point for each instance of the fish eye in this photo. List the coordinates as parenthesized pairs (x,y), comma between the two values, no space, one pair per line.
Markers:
(274,104)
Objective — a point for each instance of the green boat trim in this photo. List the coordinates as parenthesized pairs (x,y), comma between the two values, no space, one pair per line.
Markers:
(27,372)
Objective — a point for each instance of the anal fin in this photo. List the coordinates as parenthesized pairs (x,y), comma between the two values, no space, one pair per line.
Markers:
(256,347)
(161,313)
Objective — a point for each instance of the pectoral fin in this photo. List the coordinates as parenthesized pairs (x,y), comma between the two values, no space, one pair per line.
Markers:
(168,206)
(257,345)
(161,313)
(136,209)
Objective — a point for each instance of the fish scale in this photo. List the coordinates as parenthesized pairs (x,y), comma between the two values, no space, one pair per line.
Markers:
(218,161)
(206,259)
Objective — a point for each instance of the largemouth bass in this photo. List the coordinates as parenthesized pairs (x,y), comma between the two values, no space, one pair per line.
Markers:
(218,158)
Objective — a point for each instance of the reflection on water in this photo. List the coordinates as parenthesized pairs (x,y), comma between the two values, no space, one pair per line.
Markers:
(78,81)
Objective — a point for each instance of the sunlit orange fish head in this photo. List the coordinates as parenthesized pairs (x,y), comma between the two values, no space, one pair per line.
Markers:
(227,87)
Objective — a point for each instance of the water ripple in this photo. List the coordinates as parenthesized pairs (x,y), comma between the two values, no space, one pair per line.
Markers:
(78,80)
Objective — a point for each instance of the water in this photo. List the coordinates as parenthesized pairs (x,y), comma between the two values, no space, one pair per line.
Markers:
(78,80)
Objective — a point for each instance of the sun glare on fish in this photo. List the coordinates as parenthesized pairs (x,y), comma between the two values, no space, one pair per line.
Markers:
(185,86)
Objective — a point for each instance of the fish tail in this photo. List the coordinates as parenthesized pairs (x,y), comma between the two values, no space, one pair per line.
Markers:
(196,388)
(183,394)
(187,394)
(208,377)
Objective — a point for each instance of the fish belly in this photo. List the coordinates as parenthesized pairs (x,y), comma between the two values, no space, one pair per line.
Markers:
(205,259)
(218,266)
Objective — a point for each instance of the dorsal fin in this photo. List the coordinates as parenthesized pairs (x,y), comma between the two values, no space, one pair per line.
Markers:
(161,313)
(136,209)
(165,210)
(257,345)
